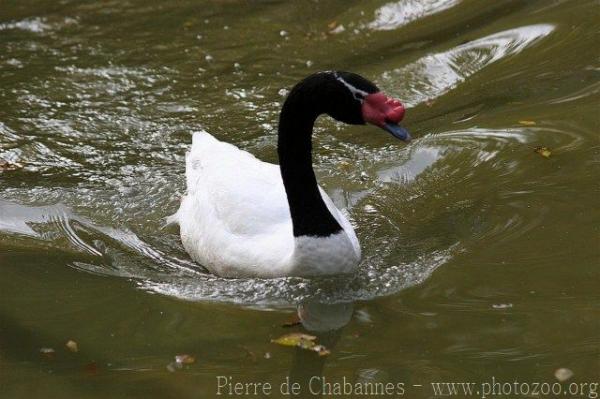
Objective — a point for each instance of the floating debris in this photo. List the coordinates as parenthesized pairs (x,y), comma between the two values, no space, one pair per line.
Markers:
(345,166)
(6,166)
(303,341)
(48,352)
(180,361)
(267,355)
(293,339)
(563,374)
(527,123)
(502,305)
(72,346)
(321,350)
(185,359)
(543,151)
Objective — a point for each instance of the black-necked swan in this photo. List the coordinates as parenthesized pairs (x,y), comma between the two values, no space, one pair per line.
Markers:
(242,217)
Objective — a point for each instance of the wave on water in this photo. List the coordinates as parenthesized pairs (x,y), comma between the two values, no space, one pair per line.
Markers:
(119,252)
(435,74)
(396,14)
(112,190)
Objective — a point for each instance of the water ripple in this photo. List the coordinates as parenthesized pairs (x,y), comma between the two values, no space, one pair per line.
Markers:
(435,74)
(35,25)
(108,251)
(396,14)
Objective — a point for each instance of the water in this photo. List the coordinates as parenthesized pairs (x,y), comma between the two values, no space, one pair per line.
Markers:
(480,256)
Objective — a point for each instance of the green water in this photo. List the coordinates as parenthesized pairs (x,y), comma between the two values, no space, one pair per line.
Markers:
(480,256)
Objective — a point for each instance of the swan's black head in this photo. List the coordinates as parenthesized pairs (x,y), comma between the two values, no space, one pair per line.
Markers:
(348,93)
(345,96)
(350,98)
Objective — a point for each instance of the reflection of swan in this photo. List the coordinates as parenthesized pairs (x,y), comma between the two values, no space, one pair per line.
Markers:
(320,317)
(326,321)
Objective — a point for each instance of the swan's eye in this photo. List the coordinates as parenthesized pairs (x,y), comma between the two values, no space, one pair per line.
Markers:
(357,93)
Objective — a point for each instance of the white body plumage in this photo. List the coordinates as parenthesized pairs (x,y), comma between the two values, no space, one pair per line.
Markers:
(235,219)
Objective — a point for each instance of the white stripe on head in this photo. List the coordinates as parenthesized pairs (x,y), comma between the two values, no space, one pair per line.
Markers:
(352,89)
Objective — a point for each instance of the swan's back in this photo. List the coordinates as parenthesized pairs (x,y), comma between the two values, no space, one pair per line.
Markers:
(235,219)
(235,216)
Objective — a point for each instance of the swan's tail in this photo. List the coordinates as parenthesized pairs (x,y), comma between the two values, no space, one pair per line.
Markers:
(202,142)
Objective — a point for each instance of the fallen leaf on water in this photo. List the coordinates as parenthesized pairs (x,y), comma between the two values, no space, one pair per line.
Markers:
(321,350)
(180,361)
(294,339)
(563,374)
(8,166)
(543,151)
(185,359)
(48,352)
(345,166)
(305,344)
(332,25)
(72,346)
(303,341)
(527,123)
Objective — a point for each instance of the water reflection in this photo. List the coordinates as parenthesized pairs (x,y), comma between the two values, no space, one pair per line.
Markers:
(309,370)
(326,322)
(323,317)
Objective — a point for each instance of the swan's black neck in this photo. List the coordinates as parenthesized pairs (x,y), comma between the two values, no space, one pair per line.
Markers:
(315,95)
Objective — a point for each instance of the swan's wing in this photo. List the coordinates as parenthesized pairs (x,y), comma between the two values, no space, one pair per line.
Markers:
(247,195)
(235,213)
(342,219)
